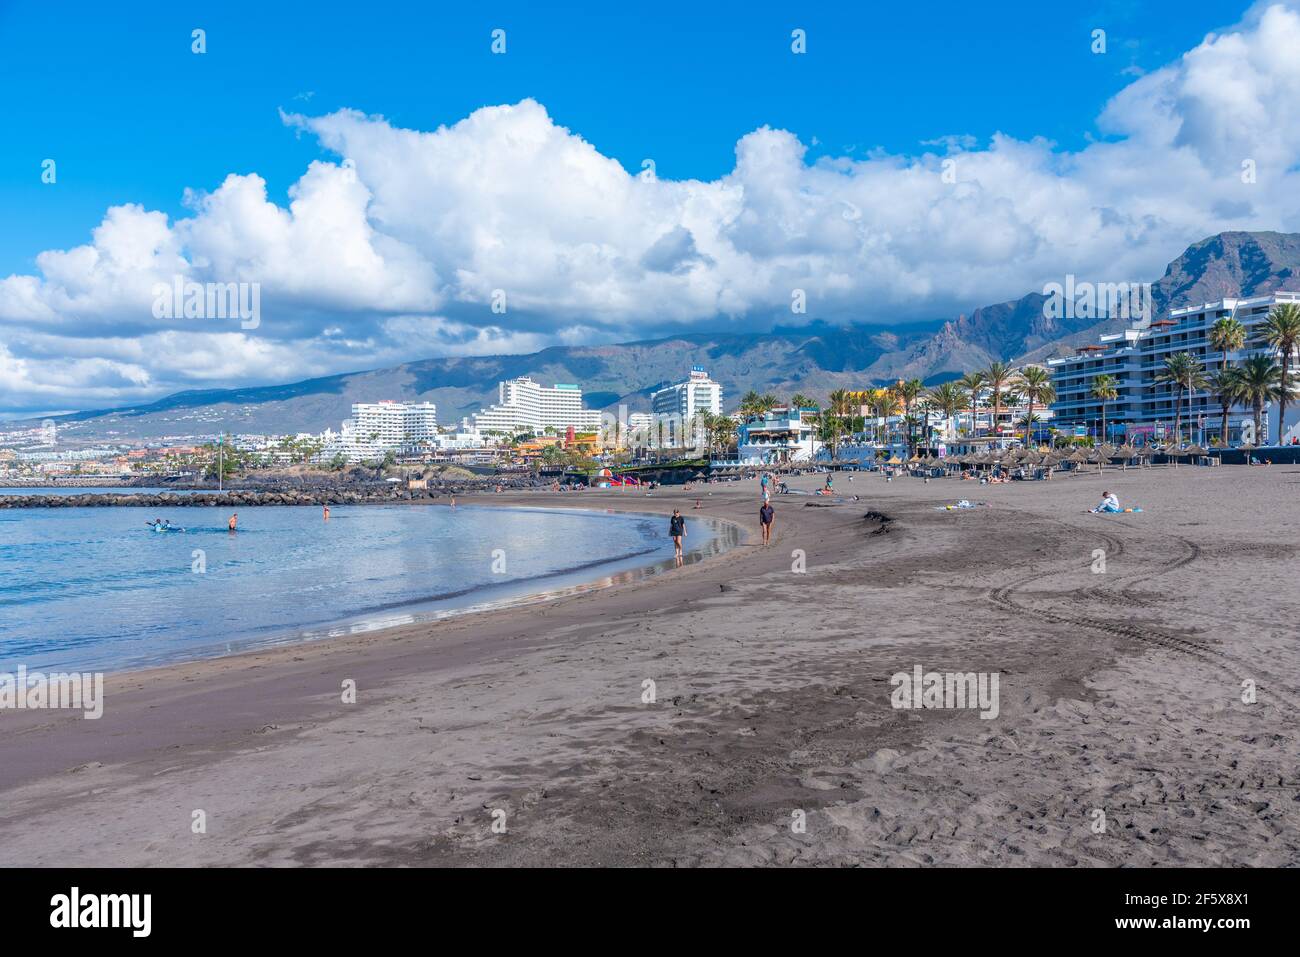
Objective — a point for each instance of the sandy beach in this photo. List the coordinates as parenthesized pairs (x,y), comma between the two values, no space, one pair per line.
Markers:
(1120,702)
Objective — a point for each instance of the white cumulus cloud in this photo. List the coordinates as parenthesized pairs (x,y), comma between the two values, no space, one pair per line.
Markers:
(398,247)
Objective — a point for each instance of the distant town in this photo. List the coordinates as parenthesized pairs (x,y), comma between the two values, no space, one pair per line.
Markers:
(1130,387)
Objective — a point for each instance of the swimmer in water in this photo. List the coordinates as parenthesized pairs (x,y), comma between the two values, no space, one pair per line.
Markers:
(233,524)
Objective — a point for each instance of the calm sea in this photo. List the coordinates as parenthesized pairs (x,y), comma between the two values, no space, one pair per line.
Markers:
(96,589)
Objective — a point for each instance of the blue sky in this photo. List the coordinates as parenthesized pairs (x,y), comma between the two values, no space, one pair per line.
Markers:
(384,179)
(130,115)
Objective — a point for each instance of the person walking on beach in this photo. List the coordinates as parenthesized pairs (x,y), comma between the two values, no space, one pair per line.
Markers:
(677,529)
(233,524)
(765,516)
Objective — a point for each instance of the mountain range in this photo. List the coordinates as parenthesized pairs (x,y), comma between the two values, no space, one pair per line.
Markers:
(812,359)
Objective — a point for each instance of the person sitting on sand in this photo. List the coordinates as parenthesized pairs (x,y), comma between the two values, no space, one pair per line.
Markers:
(1109,503)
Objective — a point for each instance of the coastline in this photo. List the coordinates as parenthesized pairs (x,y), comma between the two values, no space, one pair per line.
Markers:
(453,640)
(1118,692)
(571,579)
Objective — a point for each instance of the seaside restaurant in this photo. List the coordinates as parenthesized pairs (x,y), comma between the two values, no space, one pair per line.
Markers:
(778,437)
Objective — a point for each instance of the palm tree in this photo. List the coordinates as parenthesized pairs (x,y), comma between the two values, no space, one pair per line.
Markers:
(1226,335)
(1281,330)
(999,376)
(1029,420)
(974,383)
(949,398)
(1035,384)
(724,431)
(1185,372)
(1260,382)
(750,404)
(833,419)
(882,404)
(907,393)
(801,401)
(718,428)
(1105,388)
(828,432)
(1226,384)
(703,421)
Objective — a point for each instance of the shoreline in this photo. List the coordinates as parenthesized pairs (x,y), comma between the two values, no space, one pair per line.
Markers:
(453,634)
(552,586)
(1118,691)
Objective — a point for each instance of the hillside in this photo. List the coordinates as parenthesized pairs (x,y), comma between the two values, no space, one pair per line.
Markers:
(814,359)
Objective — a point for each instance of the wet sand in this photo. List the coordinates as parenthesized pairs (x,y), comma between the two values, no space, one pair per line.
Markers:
(1120,701)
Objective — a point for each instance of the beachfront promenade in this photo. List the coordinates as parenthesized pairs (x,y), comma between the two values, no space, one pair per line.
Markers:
(1124,646)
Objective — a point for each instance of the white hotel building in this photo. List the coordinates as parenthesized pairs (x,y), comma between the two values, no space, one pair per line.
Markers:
(528,406)
(1136,355)
(676,405)
(380,427)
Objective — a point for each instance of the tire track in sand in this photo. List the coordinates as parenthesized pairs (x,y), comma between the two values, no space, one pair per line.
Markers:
(1005,597)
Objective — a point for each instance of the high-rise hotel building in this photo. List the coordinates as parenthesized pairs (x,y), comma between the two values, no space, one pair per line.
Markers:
(528,406)
(1135,357)
(677,405)
(379,427)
